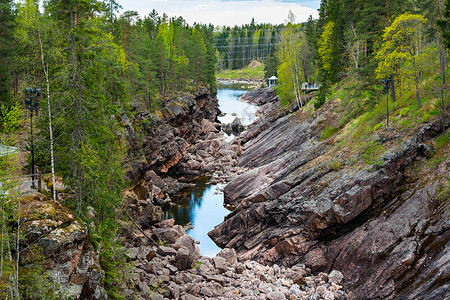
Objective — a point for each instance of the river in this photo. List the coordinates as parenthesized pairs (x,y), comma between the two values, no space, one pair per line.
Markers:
(202,205)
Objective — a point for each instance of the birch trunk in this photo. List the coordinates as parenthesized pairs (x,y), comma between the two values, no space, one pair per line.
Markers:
(50,128)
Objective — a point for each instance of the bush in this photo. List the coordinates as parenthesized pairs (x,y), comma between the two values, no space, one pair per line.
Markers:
(404,112)
(10,118)
(322,95)
(378,126)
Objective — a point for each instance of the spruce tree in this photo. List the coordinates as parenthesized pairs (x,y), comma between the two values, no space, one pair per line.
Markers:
(6,50)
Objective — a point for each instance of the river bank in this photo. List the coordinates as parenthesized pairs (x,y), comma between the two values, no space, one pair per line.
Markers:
(304,202)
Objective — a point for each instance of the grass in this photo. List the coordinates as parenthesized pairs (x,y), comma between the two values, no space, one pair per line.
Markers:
(360,123)
(328,132)
(252,72)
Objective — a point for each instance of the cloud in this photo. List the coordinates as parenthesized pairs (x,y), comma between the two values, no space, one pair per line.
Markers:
(227,12)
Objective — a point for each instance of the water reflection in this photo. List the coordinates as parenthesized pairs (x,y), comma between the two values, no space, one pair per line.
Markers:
(203,206)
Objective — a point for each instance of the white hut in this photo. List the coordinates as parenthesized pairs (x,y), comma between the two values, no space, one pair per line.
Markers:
(273,81)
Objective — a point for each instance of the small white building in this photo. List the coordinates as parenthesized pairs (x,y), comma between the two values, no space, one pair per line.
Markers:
(272,81)
(7,150)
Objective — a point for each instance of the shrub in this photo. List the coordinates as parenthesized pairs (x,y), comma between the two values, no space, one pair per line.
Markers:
(378,126)
(404,112)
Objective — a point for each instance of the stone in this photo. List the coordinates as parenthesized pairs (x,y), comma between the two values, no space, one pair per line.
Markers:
(295,290)
(276,296)
(206,291)
(314,296)
(62,243)
(168,235)
(156,296)
(328,295)
(165,251)
(220,264)
(260,96)
(299,279)
(320,290)
(335,277)
(190,297)
(229,255)
(183,259)
(235,292)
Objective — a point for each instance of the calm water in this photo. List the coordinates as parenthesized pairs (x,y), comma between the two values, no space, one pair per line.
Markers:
(203,206)
(232,107)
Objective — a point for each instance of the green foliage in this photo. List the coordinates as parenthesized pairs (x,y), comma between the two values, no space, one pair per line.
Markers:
(328,132)
(325,48)
(113,259)
(404,112)
(378,126)
(403,50)
(443,194)
(6,49)
(334,164)
(322,95)
(291,52)
(442,141)
(371,151)
(36,283)
(10,118)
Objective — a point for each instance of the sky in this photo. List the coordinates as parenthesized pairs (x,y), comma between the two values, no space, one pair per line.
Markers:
(226,12)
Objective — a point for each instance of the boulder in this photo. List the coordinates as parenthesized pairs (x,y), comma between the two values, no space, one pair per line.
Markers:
(335,277)
(62,241)
(236,125)
(229,255)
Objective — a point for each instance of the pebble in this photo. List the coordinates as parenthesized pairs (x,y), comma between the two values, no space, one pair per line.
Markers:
(173,275)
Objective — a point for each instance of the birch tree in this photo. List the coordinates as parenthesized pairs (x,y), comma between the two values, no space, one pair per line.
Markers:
(404,44)
(290,68)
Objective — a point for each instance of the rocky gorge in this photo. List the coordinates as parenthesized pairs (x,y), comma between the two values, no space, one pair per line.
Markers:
(309,221)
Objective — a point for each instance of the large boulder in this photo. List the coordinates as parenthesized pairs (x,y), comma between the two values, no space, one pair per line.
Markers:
(51,232)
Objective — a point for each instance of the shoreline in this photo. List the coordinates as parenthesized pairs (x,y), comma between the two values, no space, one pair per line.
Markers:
(256,82)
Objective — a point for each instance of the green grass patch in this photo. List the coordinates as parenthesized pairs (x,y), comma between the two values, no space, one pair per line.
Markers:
(255,72)
(328,132)
(443,140)
(371,152)
(334,164)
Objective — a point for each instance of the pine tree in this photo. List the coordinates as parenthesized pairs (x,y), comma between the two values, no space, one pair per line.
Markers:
(6,49)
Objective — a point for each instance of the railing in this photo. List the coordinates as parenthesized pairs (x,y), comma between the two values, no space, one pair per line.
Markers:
(310,86)
(34,178)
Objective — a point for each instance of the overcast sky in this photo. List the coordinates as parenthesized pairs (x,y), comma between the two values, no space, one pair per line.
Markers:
(226,12)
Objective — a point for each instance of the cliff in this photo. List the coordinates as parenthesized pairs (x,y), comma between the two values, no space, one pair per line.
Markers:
(305,199)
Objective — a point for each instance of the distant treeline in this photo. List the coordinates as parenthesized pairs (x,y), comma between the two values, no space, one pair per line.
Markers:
(237,46)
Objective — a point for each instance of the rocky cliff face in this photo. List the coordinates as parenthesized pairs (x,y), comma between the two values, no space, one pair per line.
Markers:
(54,236)
(302,202)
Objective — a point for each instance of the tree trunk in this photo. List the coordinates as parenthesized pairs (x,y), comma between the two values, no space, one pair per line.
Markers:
(304,71)
(52,161)
(418,96)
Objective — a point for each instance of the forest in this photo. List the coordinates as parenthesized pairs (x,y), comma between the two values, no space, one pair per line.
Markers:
(94,65)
